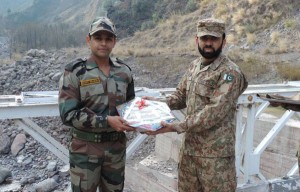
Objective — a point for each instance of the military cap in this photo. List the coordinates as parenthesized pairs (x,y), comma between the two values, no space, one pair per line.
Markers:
(102,24)
(210,26)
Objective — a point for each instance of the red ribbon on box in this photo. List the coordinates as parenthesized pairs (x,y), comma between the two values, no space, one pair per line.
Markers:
(141,104)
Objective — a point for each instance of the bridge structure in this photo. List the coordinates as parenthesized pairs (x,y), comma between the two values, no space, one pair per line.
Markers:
(249,149)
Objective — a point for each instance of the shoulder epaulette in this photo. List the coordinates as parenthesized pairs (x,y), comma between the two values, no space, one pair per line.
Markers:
(71,66)
(122,62)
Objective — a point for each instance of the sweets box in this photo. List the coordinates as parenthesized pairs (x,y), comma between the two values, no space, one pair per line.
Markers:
(145,115)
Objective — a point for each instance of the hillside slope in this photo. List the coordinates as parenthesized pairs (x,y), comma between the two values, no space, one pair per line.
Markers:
(129,15)
(249,25)
(9,6)
(262,37)
(75,12)
(78,13)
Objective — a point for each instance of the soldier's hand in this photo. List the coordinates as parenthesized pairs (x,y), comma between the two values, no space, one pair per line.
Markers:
(119,124)
(150,98)
(166,127)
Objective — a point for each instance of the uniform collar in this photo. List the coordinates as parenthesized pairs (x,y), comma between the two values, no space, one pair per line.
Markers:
(217,62)
(91,64)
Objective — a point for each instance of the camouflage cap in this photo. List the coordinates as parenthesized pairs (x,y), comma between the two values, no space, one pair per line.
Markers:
(211,26)
(102,24)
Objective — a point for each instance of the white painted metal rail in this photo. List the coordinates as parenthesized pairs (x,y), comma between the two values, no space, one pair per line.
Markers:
(250,107)
(249,168)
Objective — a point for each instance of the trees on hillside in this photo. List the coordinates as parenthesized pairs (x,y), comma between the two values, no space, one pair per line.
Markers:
(132,15)
(31,30)
(39,36)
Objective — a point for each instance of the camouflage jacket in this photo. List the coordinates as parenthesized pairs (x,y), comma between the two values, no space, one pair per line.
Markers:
(210,97)
(87,96)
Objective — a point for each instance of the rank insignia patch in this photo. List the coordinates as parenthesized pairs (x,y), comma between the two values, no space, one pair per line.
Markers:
(88,82)
(228,77)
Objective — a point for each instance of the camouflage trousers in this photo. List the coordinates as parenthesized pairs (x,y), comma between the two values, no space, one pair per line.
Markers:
(97,165)
(206,174)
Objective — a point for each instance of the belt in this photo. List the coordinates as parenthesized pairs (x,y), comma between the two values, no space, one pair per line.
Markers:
(97,137)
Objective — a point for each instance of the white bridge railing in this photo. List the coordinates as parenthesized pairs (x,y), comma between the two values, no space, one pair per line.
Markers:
(44,103)
(249,156)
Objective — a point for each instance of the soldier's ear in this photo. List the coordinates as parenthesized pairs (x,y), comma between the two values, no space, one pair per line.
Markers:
(88,39)
(196,39)
(224,43)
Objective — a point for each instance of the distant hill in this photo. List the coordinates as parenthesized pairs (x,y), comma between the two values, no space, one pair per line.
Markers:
(64,23)
(128,15)
(76,12)
(258,31)
(49,24)
(14,6)
(252,25)
(263,37)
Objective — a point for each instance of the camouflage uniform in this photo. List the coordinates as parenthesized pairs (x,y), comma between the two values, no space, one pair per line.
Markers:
(210,95)
(86,98)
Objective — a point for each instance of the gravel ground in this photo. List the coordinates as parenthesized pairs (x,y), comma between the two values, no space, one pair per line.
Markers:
(30,165)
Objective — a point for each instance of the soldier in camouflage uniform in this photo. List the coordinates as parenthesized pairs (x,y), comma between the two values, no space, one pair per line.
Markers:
(90,89)
(209,91)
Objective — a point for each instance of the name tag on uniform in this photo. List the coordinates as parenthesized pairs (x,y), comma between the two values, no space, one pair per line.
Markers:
(88,82)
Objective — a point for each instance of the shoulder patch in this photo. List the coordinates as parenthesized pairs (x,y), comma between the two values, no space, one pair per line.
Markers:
(72,65)
(122,62)
(228,77)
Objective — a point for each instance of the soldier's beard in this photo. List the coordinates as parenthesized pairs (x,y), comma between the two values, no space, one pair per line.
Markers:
(210,55)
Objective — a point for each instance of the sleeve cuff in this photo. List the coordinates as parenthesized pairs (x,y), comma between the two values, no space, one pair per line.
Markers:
(180,127)
(162,99)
